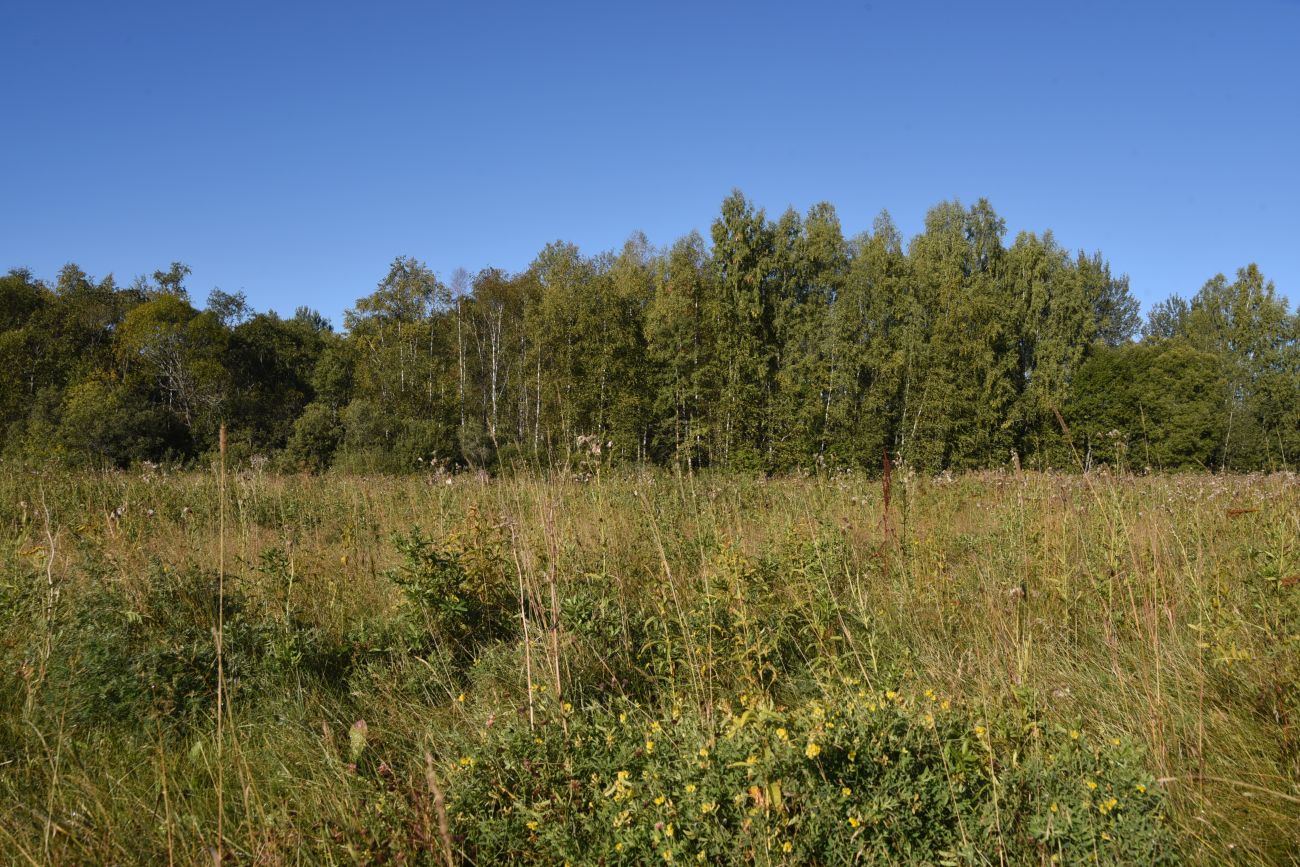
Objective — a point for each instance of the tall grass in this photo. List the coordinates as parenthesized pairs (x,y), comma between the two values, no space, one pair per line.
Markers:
(541,669)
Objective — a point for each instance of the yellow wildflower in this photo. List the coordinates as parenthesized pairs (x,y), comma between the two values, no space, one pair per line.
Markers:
(690,788)
(649,746)
(812,751)
(1091,785)
(782,734)
(1074,734)
(854,821)
(787,847)
(846,791)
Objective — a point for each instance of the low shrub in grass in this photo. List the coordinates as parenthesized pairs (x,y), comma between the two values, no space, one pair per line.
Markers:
(125,653)
(853,777)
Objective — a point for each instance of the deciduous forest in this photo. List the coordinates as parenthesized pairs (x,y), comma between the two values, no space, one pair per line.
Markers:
(770,346)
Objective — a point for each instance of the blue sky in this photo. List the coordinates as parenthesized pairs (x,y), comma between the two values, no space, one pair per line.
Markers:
(291,151)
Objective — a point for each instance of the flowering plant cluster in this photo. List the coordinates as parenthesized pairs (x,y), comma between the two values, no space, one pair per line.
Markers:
(854,777)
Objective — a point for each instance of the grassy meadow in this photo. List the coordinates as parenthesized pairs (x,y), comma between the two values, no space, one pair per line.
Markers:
(649,668)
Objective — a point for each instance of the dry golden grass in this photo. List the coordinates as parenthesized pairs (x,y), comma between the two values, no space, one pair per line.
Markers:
(1162,610)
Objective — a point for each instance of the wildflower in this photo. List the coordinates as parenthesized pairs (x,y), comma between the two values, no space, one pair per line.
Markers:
(704,754)
(787,847)
(668,854)
(846,791)
(812,751)
(782,734)
(708,807)
(1114,742)
(532,826)
(929,693)
(1091,785)
(979,731)
(1074,734)
(690,788)
(890,694)
(622,717)
(618,847)
(649,746)
(854,821)
(1053,807)
(945,704)
(461,698)
(1141,788)
(659,801)
(466,761)
(568,708)
(668,832)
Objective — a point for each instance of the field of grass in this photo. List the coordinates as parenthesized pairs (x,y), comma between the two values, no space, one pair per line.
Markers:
(645,668)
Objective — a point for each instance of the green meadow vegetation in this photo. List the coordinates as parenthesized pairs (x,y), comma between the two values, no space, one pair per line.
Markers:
(602,561)
(630,666)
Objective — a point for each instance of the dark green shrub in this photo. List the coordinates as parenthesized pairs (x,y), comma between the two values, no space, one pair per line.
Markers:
(448,605)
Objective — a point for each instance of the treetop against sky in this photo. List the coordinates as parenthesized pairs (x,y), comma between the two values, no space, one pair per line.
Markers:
(289,151)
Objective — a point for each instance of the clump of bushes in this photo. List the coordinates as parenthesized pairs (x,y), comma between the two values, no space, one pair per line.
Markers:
(131,651)
(455,600)
(852,777)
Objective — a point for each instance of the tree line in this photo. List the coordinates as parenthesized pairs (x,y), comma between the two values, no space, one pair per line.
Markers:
(772,345)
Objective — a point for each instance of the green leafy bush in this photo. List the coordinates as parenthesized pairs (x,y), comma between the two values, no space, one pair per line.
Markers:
(449,605)
(150,649)
(856,777)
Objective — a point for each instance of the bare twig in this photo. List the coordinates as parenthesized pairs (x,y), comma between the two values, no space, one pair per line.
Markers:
(221,629)
(439,807)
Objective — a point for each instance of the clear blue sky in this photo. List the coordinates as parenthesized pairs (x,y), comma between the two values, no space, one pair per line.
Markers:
(293,151)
